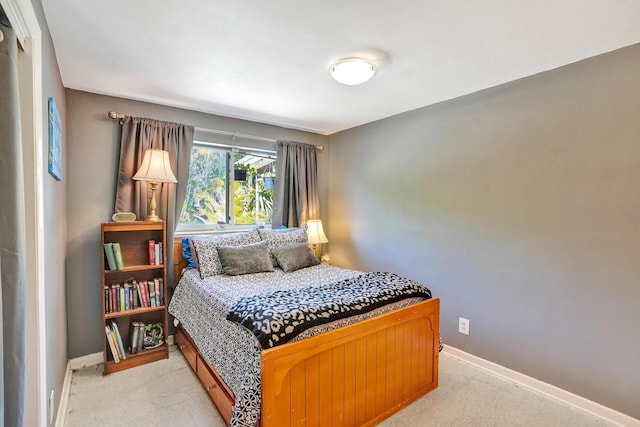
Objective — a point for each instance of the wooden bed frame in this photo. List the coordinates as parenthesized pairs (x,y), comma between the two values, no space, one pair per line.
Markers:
(356,375)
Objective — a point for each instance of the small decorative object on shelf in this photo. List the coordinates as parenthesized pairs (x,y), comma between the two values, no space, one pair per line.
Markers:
(153,336)
(134,295)
(124,216)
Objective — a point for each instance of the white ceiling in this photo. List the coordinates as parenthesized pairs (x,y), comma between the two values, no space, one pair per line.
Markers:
(267,61)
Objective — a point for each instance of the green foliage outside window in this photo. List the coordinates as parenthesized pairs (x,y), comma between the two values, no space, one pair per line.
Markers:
(252,202)
(205,201)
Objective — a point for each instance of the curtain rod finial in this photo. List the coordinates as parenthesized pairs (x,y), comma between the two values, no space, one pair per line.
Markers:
(113,115)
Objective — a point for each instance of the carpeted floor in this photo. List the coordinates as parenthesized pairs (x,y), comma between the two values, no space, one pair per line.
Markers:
(167,393)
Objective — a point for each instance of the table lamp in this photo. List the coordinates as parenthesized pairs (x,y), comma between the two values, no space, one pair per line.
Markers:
(316,235)
(155,168)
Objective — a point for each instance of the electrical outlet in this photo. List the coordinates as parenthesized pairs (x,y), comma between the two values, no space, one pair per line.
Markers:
(463,325)
(51,409)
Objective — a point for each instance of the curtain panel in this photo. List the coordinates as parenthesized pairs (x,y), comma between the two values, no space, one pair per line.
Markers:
(12,236)
(296,197)
(139,135)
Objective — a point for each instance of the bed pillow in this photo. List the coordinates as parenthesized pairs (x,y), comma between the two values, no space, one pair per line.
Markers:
(206,251)
(245,259)
(280,237)
(294,256)
(192,249)
(187,254)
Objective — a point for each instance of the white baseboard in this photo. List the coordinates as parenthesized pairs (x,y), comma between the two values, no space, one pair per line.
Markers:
(72,365)
(84,361)
(95,358)
(548,390)
(64,398)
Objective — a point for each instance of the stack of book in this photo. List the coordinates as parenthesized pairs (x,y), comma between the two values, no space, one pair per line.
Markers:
(136,337)
(138,333)
(115,342)
(156,253)
(114,256)
(132,295)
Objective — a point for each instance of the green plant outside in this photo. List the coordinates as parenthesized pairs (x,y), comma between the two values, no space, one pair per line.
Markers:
(205,199)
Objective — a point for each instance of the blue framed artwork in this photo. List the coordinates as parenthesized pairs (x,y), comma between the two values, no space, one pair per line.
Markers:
(55,141)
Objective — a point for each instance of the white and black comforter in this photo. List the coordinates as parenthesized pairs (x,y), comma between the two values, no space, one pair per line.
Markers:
(277,317)
(202,307)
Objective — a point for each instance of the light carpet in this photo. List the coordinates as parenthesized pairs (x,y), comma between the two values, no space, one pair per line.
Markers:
(167,393)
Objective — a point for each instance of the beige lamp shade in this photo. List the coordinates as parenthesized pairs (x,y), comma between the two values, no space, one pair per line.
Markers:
(316,232)
(155,167)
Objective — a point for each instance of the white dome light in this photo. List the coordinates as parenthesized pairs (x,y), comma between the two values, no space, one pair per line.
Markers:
(352,71)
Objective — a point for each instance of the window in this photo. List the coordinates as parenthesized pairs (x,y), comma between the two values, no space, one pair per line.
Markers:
(215,169)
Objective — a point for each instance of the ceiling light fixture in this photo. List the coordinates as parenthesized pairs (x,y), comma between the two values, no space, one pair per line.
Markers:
(352,71)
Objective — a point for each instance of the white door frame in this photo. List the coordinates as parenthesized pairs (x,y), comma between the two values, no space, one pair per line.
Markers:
(25,22)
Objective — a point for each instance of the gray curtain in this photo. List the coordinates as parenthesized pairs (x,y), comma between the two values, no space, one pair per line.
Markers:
(296,198)
(139,135)
(12,236)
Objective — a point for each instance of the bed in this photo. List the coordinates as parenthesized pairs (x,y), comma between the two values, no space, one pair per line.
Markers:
(342,372)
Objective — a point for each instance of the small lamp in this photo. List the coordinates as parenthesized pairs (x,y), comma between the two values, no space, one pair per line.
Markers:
(316,234)
(155,168)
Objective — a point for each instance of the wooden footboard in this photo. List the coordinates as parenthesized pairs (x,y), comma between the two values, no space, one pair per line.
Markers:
(357,375)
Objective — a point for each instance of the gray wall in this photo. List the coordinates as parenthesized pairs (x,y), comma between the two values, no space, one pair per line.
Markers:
(519,206)
(93,141)
(55,225)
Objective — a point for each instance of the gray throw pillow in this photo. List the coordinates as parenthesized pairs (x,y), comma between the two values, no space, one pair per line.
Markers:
(294,256)
(206,254)
(245,259)
(278,237)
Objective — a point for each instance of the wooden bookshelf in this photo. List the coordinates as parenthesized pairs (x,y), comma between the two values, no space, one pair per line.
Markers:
(133,238)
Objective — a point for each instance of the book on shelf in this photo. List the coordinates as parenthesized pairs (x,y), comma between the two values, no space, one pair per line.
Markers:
(116,291)
(121,295)
(134,328)
(127,297)
(141,329)
(152,252)
(160,259)
(161,282)
(152,293)
(130,298)
(111,260)
(114,325)
(117,254)
(112,345)
(114,301)
(156,284)
(134,296)
(140,297)
(156,254)
(144,293)
(107,300)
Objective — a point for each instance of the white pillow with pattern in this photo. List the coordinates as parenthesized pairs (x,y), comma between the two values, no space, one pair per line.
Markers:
(206,248)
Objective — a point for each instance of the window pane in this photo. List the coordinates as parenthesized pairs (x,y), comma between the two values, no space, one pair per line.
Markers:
(206,198)
(254,178)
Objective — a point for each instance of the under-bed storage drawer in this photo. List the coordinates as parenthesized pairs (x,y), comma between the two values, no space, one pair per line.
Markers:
(216,390)
(186,346)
